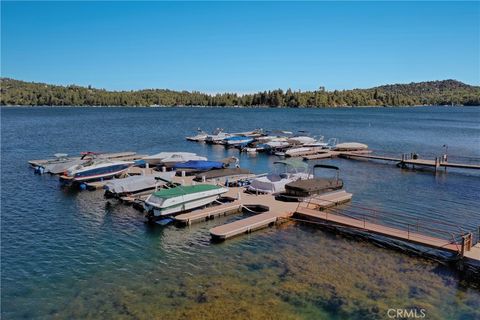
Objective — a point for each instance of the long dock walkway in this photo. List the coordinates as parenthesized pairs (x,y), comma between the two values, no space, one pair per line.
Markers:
(459,244)
(408,160)
(364,225)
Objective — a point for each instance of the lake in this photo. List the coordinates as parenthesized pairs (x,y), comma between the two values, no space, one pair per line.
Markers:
(66,254)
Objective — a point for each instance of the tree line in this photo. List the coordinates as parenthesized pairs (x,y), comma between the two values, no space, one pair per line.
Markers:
(447,92)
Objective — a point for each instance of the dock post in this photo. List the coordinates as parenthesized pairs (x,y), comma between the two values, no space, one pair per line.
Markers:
(466,243)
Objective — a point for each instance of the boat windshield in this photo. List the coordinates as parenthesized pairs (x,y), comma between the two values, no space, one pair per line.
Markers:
(291,166)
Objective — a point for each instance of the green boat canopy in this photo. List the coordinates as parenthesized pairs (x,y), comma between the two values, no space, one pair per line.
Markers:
(184,190)
(294,163)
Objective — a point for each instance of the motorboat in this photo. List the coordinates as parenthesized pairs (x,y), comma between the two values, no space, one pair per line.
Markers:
(217,137)
(237,141)
(61,163)
(301,140)
(137,184)
(159,157)
(96,169)
(200,136)
(350,146)
(174,159)
(302,151)
(172,201)
(198,165)
(227,176)
(277,143)
(293,170)
(253,134)
(300,190)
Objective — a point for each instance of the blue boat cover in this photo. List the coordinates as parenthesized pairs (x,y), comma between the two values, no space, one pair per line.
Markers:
(199,165)
(235,138)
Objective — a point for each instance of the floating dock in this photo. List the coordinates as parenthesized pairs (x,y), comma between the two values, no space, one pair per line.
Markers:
(278,211)
(461,244)
(247,225)
(408,159)
(208,213)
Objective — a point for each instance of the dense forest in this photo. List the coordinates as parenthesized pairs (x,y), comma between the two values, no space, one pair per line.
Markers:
(447,92)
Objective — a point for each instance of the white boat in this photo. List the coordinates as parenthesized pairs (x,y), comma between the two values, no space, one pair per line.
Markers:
(182,198)
(96,169)
(350,146)
(277,143)
(61,163)
(157,158)
(201,136)
(179,158)
(301,140)
(137,184)
(217,137)
(275,182)
(301,151)
(237,140)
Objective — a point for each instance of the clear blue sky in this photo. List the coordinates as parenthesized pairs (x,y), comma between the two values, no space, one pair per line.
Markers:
(239,46)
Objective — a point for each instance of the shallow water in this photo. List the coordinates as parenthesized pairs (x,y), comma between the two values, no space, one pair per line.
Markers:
(68,255)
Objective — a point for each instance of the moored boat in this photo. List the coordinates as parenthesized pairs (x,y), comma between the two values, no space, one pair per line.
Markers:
(275,182)
(217,137)
(198,165)
(175,159)
(137,184)
(350,146)
(302,189)
(96,169)
(200,136)
(159,157)
(237,141)
(181,198)
(227,176)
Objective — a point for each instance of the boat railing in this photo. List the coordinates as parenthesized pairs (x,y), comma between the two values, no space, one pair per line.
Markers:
(421,228)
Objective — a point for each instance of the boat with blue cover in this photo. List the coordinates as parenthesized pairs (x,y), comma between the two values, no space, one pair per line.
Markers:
(199,165)
(237,140)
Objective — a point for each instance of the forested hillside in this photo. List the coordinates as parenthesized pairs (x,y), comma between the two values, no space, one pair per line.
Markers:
(447,92)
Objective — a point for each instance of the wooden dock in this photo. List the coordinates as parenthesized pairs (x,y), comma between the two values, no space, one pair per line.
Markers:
(321,155)
(328,200)
(461,245)
(278,211)
(408,159)
(209,213)
(256,222)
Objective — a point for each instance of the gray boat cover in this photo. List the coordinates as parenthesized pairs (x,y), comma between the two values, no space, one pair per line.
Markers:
(134,184)
(219,173)
(61,166)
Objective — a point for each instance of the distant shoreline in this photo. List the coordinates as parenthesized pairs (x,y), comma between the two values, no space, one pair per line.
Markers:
(237,107)
(430,93)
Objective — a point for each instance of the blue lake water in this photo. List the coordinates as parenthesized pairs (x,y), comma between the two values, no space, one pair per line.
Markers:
(68,255)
